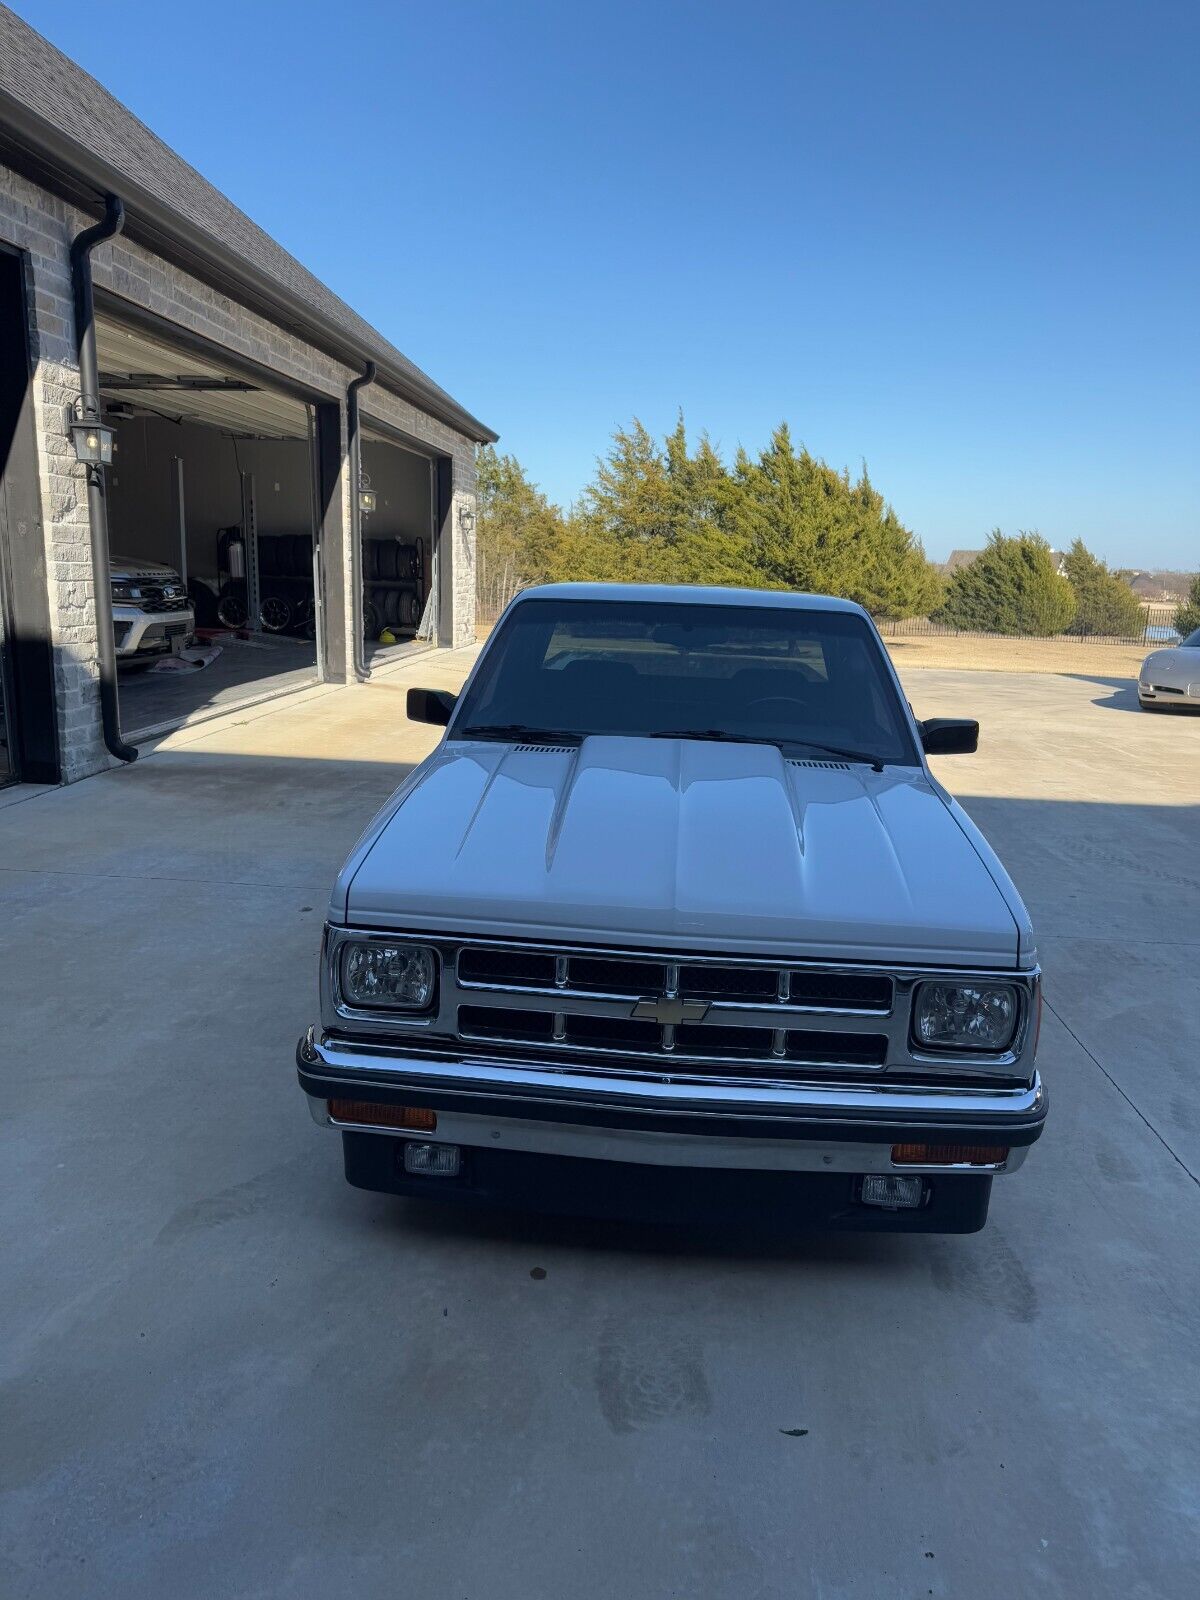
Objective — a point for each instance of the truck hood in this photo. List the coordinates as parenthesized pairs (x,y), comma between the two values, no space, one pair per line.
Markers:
(127,567)
(685,844)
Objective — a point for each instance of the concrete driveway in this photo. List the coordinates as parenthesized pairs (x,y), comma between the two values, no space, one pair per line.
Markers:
(225,1373)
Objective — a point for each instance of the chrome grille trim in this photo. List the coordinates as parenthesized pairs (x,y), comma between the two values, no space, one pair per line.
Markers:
(663,975)
(672,1058)
(781,1018)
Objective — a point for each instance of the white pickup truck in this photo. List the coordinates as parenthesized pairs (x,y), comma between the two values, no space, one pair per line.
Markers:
(676,922)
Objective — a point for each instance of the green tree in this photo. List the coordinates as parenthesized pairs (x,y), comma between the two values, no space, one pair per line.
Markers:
(1105,604)
(658,514)
(673,512)
(1011,587)
(810,528)
(519,532)
(1187,618)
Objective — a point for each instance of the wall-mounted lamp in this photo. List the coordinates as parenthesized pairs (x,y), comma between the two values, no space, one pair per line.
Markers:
(93,439)
(368,500)
(466,520)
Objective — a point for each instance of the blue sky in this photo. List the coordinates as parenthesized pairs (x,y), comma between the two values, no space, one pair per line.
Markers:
(957,241)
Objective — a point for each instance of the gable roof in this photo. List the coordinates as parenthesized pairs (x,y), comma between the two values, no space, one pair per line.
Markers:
(1161,584)
(63,129)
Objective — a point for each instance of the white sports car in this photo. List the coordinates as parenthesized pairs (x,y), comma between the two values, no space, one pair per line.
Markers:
(1172,677)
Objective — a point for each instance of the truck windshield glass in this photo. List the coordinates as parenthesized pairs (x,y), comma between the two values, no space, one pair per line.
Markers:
(772,674)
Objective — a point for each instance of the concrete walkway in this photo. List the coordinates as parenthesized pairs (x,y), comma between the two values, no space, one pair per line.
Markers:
(225,1373)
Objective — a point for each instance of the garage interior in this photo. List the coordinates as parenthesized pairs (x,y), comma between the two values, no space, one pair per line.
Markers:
(398,562)
(212,477)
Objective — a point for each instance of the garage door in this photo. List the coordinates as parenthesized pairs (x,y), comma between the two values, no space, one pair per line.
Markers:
(211,531)
(398,557)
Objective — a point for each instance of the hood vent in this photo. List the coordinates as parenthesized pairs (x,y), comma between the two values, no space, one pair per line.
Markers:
(832,766)
(545,747)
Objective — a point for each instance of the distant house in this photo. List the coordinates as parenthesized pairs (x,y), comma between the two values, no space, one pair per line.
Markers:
(1160,585)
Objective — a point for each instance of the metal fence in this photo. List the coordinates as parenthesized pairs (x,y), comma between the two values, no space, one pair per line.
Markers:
(495,584)
(1158,627)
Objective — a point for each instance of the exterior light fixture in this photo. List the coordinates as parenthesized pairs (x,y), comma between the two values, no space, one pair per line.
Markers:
(466,520)
(93,439)
(368,500)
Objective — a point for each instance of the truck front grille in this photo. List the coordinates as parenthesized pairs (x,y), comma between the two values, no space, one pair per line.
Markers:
(154,600)
(673,1015)
(632,977)
(693,1043)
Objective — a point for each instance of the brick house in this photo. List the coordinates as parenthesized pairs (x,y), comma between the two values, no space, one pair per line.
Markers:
(312,488)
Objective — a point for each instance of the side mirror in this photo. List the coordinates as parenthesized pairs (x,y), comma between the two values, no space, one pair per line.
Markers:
(431,705)
(949,736)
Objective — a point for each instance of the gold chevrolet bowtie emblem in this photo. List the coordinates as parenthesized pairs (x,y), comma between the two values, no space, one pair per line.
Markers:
(670,1012)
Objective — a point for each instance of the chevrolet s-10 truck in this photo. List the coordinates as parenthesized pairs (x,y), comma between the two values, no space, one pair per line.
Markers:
(676,922)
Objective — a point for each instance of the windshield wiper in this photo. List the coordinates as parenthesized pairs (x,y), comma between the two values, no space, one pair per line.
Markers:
(712,733)
(519,732)
(877,762)
(779,740)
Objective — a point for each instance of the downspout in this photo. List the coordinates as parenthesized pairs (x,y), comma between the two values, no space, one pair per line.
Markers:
(367,376)
(89,386)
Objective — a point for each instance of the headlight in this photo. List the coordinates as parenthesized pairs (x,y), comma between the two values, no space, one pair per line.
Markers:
(126,591)
(965,1016)
(393,977)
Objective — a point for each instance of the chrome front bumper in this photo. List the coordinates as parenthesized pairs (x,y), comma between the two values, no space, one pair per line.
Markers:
(805,1127)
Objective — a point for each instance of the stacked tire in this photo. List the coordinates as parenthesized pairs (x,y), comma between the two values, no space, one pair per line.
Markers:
(285,574)
(393,585)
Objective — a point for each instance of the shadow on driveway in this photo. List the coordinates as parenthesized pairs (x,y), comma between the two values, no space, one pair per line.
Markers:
(1123,696)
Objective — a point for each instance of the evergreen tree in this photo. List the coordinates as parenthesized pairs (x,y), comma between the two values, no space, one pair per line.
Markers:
(630,498)
(1105,603)
(658,515)
(518,533)
(675,513)
(1187,618)
(809,528)
(1011,587)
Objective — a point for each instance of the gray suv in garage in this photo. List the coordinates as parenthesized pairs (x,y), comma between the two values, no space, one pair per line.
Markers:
(152,614)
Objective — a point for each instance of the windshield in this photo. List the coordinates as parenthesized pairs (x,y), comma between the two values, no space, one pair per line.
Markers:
(1192,642)
(769,674)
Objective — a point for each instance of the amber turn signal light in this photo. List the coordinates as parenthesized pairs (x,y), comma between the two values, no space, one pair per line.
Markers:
(372,1114)
(949,1155)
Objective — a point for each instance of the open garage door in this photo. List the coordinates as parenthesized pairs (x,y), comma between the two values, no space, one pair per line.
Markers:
(398,560)
(211,518)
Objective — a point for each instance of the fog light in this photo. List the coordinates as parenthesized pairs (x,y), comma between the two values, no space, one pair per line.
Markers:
(893,1194)
(442,1160)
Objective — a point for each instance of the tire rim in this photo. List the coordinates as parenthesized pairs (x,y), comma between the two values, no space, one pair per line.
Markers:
(275,614)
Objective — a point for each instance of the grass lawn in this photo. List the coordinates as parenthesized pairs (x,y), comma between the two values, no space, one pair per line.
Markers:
(1020,655)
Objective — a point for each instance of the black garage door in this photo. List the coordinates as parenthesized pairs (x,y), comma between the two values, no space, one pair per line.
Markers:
(398,559)
(211,519)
